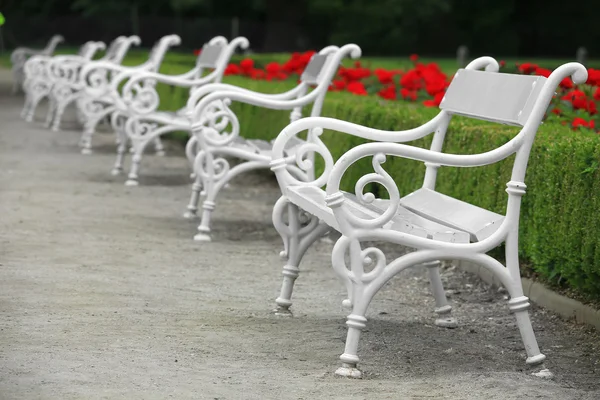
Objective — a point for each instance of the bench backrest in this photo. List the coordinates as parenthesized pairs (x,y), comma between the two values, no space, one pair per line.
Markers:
(511,99)
(314,68)
(496,97)
(209,56)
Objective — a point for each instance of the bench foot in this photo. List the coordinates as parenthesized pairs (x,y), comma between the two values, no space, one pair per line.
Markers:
(349,371)
(202,237)
(283,311)
(449,322)
(544,374)
(160,153)
(190,214)
(116,171)
(536,359)
(131,182)
(86,151)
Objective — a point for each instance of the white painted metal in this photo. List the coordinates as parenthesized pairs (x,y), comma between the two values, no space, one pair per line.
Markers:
(64,73)
(20,55)
(99,96)
(38,85)
(437,226)
(217,131)
(138,117)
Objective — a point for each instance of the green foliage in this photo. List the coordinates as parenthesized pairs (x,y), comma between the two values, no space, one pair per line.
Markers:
(560,224)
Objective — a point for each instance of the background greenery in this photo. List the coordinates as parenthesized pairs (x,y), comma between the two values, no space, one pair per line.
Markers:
(532,28)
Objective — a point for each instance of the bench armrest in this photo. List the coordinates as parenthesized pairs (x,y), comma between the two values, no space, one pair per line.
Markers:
(520,144)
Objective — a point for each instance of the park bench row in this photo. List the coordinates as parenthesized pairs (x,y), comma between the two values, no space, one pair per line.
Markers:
(437,226)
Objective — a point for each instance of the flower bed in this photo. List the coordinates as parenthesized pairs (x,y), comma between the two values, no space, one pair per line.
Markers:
(426,83)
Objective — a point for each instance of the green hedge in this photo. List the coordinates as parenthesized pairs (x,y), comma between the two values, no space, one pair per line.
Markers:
(560,224)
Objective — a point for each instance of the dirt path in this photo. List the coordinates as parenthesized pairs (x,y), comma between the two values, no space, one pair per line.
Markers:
(103,295)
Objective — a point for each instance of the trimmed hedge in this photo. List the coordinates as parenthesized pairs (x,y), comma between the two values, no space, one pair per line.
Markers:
(560,224)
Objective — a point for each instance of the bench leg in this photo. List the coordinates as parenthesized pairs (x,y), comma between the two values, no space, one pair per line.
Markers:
(297,235)
(442,307)
(26,105)
(136,159)
(192,207)
(158,147)
(121,152)
(520,307)
(32,107)
(50,115)
(60,109)
(519,304)
(86,137)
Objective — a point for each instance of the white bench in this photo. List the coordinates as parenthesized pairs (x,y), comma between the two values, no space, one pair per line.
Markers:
(64,75)
(37,84)
(439,227)
(217,131)
(99,96)
(138,118)
(20,55)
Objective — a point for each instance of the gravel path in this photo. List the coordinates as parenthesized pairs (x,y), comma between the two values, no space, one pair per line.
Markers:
(103,295)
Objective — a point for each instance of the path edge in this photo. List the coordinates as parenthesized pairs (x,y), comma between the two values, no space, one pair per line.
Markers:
(543,296)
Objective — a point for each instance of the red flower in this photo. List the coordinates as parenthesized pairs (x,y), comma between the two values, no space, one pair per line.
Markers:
(354,74)
(502,63)
(247,65)
(435,102)
(435,86)
(385,77)
(566,83)
(527,68)
(408,94)
(593,77)
(357,88)
(597,94)
(273,68)
(411,80)
(197,52)
(591,107)
(542,72)
(297,62)
(338,85)
(256,74)
(233,69)
(556,111)
(388,93)
(414,57)
(580,122)
(580,103)
(575,94)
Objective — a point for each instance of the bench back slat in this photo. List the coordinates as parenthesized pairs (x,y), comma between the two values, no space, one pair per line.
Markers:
(313,69)
(209,57)
(492,96)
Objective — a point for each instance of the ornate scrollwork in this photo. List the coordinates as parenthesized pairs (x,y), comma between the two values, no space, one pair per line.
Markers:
(209,166)
(381,177)
(305,154)
(213,123)
(97,82)
(142,97)
(92,108)
(138,129)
